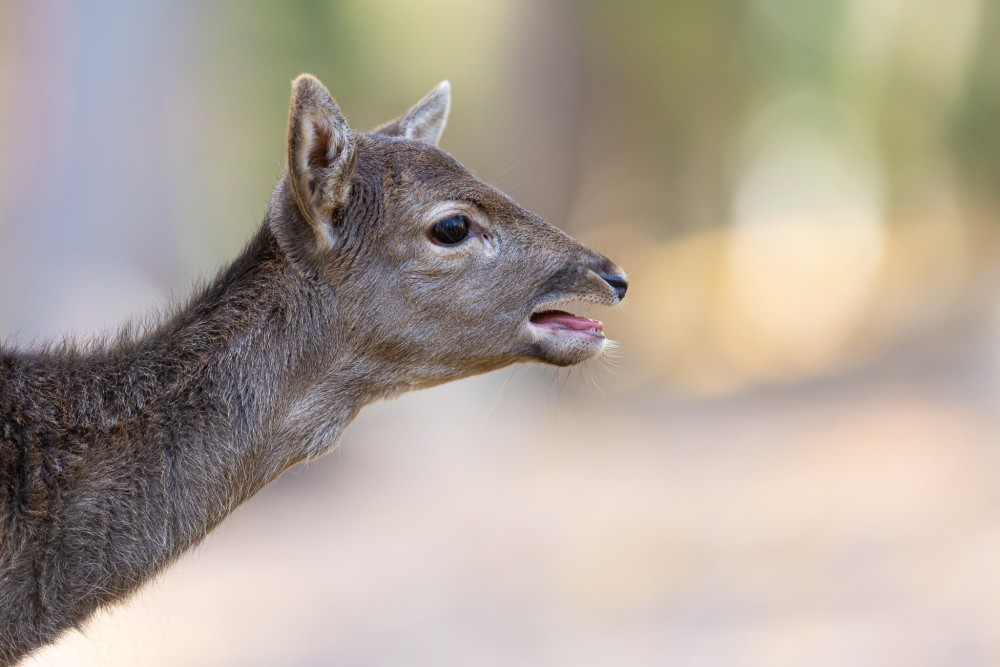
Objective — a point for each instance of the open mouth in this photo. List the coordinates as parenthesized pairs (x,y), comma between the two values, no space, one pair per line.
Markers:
(561,321)
(562,338)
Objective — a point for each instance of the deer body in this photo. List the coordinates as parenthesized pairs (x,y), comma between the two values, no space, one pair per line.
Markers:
(382,266)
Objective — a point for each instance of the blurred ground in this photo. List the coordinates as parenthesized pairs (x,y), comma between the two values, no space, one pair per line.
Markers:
(794,458)
(848,522)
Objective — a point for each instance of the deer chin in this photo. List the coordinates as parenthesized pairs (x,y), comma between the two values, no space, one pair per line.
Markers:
(562,338)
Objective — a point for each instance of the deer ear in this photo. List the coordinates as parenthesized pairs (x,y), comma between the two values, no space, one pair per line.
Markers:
(425,121)
(320,156)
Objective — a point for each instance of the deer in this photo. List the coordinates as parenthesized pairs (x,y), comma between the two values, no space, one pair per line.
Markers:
(382,265)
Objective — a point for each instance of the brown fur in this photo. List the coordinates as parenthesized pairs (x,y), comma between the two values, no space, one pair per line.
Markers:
(115,459)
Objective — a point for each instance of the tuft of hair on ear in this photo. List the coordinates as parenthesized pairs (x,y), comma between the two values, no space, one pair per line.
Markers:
(320,162)
(425,121)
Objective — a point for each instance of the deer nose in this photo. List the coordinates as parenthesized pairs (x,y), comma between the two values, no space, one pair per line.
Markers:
(618,283)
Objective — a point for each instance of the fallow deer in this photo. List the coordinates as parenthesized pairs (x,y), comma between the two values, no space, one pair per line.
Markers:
(382,265)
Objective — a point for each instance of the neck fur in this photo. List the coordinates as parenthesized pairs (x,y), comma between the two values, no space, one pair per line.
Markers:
(134,451)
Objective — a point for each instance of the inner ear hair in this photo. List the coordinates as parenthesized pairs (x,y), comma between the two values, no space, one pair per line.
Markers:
(425,121)
(320,155)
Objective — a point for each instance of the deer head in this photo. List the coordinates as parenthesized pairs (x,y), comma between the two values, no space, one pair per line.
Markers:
(434,271)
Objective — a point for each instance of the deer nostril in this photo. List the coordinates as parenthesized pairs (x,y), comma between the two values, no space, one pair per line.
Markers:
(618,283)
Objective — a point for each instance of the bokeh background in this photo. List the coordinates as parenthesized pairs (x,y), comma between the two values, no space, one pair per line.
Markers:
(793,460)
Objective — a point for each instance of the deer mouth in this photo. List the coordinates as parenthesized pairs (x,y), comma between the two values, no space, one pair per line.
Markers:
(562,338)
(558,321)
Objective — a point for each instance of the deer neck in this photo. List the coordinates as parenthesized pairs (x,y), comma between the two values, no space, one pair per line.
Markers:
(160,437)
(264,370)
(254,375)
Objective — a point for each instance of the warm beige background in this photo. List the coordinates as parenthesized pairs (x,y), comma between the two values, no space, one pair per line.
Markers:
(794,459)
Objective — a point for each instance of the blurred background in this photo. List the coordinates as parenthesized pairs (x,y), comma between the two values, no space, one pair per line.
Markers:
(792,460)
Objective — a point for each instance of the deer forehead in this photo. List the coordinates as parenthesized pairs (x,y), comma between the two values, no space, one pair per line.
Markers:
(422,179)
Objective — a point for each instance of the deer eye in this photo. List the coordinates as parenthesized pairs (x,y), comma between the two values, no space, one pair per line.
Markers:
(450,230)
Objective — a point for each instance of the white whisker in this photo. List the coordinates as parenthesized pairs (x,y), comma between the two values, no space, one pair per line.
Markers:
(496,399)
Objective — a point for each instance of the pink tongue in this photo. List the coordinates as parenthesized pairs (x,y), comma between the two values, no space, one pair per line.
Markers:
(557,317)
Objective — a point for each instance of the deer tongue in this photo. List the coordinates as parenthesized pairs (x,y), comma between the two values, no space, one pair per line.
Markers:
(557,318)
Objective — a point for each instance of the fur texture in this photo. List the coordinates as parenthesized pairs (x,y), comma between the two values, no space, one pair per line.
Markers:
(116,459)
